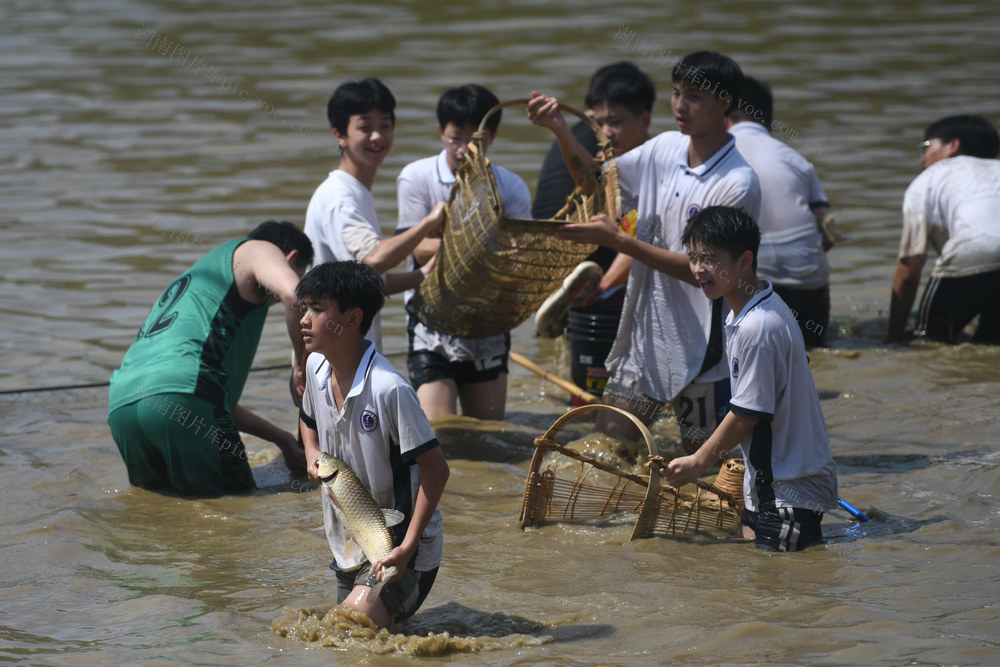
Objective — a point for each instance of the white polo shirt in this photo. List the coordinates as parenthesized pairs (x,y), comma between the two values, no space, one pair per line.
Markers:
(791,245)
(666,323)
(419,187)
(954,206)
(379,433)
(342,225)
(787,454)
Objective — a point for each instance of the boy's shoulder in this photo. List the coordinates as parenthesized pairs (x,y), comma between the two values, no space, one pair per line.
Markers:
(769,321)
(422,168)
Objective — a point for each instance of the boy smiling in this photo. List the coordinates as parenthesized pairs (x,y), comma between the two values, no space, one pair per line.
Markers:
(669,342)
(774,413)
(341,220)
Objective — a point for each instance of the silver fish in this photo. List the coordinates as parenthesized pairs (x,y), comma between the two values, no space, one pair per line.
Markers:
(367,523)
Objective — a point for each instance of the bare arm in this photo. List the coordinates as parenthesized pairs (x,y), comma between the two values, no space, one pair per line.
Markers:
(249,422)
(685,469)
(263,272)
(392,250)
(617,273)
(434,474)
(400,282)
(604,231)
(827,226)
(427,248)
(904,292)
(544,112)
(310,441)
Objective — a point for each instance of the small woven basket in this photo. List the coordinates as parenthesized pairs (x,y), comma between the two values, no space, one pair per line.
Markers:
(494,271)
(600,490)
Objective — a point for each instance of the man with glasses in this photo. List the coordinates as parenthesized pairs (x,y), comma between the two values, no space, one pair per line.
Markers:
(952,206)
(446,369)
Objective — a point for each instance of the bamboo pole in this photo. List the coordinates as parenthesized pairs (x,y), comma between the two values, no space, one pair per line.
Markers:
(568,386)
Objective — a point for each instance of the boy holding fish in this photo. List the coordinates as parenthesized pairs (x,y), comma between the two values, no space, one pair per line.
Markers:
(358,409)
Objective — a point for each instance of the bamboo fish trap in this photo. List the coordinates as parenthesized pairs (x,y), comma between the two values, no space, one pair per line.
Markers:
(601,490)
(494,271)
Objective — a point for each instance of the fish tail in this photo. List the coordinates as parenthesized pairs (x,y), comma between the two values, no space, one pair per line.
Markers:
(375,587)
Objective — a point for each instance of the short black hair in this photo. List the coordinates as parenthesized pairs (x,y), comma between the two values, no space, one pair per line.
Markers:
(466,105)
(624,84)
(711,71)
(357,97)
(286,236)
(724,227)
(351,284)
(755,103)
(976,135)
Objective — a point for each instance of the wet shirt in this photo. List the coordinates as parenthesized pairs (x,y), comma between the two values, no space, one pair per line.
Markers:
(787,454)
(791,245)
(666,323)
(953,206)
(199,338)
(379,434)
(419,187)
(342,225)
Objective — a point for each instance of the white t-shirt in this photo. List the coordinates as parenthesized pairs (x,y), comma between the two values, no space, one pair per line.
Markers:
(419,187)
(788,453)
(791,245)
(379,433)
(666,323)
(954,205)
(342,225)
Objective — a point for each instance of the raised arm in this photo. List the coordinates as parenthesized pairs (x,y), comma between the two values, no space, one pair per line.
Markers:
(544,112)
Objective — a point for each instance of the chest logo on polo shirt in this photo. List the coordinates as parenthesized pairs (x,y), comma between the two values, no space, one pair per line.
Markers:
(736,367)
(693,211)
(369,421)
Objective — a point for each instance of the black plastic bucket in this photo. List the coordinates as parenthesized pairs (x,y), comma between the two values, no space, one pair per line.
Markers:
(591,332)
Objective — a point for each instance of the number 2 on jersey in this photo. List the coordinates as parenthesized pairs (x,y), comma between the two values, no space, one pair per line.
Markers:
(167,301)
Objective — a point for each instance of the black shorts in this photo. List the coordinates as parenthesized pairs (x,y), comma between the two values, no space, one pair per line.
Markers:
(811,308)
(430,366)
(949,304)
(784,528)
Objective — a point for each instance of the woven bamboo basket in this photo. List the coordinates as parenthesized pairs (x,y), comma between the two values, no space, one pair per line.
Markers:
(494,271)
(601,490)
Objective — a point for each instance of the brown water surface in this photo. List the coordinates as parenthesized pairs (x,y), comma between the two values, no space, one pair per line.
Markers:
(138,135)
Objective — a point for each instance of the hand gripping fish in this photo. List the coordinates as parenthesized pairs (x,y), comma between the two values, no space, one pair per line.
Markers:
(367,524)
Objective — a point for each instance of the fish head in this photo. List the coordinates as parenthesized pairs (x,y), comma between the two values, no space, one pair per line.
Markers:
(328,466)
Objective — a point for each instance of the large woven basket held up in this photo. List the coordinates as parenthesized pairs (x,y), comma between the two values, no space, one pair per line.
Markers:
(600,490)
(495,271)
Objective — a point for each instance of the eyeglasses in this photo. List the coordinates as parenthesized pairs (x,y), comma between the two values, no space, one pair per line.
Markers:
(456,143)
(709,260)
(923,146)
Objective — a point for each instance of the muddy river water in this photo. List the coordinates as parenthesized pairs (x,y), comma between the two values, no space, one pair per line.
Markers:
(138,135)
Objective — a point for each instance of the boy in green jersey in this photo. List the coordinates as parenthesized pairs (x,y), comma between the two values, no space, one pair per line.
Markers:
(173,408)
